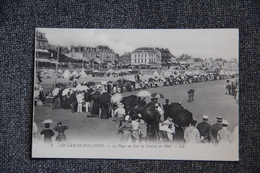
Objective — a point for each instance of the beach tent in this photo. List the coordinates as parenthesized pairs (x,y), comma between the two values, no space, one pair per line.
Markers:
(83,74)
(66,74)
(60,71)
(51,73)
(110,71)
(44,74)
(222,72)
(155,73)
(75,73)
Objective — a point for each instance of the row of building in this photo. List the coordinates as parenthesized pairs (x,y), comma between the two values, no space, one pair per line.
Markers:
(142,57)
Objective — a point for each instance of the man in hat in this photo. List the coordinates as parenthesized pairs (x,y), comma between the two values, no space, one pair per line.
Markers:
(73,100)
(166,109)
(153,101)
(191,133)
(228,88)
(224,135)
(204,129)
(119,115)
(215,128)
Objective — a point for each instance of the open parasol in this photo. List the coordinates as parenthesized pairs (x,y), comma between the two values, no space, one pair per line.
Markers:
(176,106)
(65,91)
(143,94)
(48,121)
(82,88)
(157,95)
(116,98)
(55,91)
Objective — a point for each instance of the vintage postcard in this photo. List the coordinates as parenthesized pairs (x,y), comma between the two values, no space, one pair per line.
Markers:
(136,94)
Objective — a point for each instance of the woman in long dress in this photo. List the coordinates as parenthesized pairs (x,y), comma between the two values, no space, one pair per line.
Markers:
(56,102)
(66,103)
(95,107)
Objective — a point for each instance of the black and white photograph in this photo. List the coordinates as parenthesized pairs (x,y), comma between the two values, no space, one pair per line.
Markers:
(164,94)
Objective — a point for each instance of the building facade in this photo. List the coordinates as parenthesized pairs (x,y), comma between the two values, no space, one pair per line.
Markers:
(146,56)
(41,46)
(102,56)
(166,57)
(105,54)
(41,41)
(125,59)
(76,52)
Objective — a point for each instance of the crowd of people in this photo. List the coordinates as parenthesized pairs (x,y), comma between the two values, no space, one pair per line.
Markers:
(232,89)
(122,85)
(133,128)
(85,97)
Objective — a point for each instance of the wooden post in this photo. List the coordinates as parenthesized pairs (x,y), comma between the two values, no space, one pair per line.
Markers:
(56,66)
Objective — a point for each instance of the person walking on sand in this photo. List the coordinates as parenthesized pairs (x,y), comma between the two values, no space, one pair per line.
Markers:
(166,109)
(80,101)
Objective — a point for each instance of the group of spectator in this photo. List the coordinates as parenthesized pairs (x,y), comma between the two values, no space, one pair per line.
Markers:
(133,128)
(232,89)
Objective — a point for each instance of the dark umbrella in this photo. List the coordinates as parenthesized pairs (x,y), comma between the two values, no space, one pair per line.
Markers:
(182,117)
(104,98)
(95,95)
(175,106)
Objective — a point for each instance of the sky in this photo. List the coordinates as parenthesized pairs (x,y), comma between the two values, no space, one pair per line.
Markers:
(203,43)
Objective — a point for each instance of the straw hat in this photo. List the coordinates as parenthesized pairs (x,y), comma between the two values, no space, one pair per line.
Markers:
(120,105)
(205,117)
